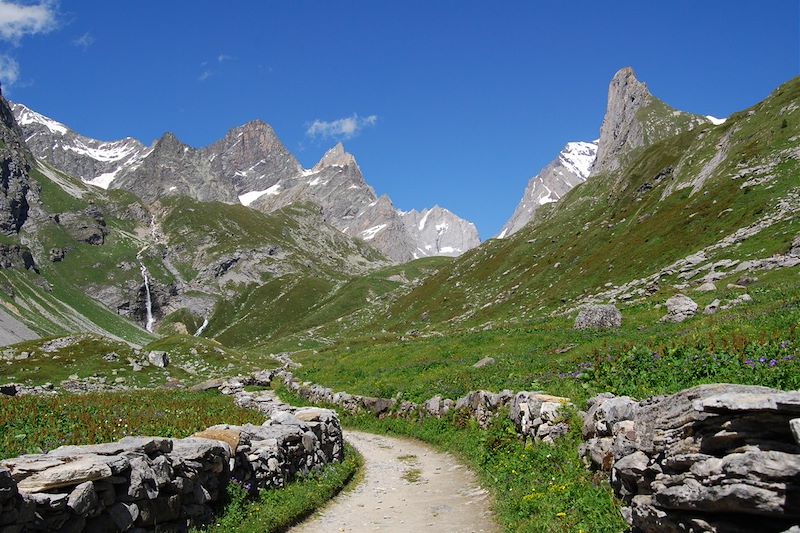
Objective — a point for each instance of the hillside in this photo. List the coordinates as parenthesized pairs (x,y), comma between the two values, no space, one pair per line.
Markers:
(709,203)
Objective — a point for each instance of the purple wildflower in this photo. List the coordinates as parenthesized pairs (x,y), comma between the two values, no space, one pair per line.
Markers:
(772,363)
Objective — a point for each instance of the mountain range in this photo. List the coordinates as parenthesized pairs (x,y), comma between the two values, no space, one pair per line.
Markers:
(250,165)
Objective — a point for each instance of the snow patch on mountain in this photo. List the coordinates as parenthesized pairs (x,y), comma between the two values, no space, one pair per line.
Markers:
(570,167)
(716,121)
(250,197)
(26,117)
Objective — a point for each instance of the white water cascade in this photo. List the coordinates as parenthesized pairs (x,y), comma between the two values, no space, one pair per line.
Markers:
(148,298)
(202,328)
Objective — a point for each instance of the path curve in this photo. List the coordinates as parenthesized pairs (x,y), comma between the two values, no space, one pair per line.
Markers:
(445,497)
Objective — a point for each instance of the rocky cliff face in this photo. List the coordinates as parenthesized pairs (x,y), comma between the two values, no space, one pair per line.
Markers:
(635,118)
(15,163)
(252,167)
(570,168)
(175,169)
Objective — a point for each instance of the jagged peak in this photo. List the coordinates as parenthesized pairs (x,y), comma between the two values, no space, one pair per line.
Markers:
(336,156)
(169,141)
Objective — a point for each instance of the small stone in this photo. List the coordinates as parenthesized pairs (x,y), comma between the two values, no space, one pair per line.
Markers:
(712,308)
(486,361)
(708,286)
(83,498)
(794,425)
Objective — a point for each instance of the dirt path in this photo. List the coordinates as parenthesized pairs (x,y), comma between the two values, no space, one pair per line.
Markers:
(407,486)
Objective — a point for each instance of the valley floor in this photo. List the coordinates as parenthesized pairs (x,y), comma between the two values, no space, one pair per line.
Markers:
(407,486)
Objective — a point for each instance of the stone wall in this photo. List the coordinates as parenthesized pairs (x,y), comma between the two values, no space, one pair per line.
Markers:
(710,458)
(151,483)
(536,416)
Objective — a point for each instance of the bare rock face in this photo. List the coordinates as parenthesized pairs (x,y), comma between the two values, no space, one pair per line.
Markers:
(437,231)
(621,129)
(598,317)
(88,226)
(570,168)
(348,203)
(172,169)
(15,163)
(633,119)
(710,458)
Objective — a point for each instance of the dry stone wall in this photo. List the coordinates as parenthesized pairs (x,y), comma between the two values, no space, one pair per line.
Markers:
(536,416)
(718,458)
(158,484)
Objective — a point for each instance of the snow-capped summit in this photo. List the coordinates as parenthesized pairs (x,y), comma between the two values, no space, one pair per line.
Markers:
(95,162)
(249,165)
(571,167)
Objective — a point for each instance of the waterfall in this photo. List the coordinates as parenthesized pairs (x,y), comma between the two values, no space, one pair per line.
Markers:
(202,328)
(148,299)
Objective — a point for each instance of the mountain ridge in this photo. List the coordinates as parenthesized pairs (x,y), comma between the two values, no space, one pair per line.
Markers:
(248,165)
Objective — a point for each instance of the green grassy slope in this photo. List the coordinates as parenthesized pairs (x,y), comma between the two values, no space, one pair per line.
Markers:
(510,299)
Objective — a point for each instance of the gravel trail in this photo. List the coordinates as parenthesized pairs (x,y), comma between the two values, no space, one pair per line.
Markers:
(407,486)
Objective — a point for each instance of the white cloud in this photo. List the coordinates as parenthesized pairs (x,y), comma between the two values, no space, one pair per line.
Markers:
(84,41)
(9,70)
(18,20)
(344,128)
(204,75)
(223,57)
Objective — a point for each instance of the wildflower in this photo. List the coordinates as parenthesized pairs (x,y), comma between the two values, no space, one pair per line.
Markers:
(772,363)
(561,515)
(762,360)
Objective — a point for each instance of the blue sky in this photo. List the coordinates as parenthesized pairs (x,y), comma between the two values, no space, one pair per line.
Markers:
(455,103)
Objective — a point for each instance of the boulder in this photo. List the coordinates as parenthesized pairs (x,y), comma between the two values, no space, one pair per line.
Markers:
(210,384)
(598,317)
(679,308)
(158,358)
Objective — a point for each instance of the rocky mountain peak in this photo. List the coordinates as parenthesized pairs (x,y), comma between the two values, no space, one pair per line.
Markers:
(170,142)
(634,119)
(336,156)
(621,129)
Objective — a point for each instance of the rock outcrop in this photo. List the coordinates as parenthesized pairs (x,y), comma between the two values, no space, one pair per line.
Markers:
(633,119)
(717,458)
(15,163)
(568,169)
